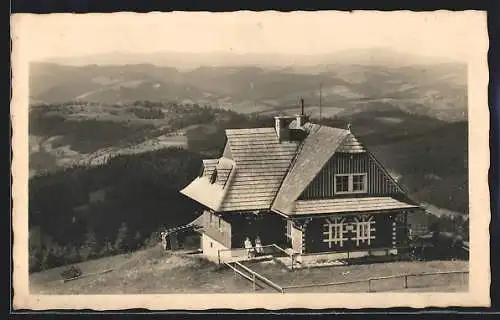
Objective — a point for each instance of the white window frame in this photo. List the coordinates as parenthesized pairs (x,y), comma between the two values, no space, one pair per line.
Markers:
(350,189)
(348,183)
(364,230)
(365,182)
(335,232)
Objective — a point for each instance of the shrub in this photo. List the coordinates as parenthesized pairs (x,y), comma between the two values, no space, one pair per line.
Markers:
(71,272)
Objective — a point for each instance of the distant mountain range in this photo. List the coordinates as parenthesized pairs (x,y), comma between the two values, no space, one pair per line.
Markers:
(383,56)
(359,79)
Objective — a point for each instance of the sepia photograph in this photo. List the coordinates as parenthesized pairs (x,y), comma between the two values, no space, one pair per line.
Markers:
(300,159)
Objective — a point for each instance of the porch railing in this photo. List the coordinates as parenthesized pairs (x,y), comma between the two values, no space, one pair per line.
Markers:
(235,254)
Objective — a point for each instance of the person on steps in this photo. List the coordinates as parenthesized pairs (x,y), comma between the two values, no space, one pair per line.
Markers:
(249,247)
(258,246)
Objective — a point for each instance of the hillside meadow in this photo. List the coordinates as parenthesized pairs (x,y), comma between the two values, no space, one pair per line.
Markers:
(154,271)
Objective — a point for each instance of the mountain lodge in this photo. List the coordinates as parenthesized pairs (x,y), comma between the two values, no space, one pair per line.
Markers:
(305,187)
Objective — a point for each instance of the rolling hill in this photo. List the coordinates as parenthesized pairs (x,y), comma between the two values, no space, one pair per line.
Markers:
(115,143)
(437,90)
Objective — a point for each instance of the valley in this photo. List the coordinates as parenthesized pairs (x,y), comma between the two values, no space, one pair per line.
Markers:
(135,135)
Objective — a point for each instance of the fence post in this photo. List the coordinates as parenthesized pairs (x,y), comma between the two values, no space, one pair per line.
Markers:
(218,255)
(369,285)
(406,281)
(253,276)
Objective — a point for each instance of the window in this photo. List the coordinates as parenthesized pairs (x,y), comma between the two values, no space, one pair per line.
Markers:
(213,177)
(358,182)
(213,220)
(350,183)
(342,183)
(364,230)
(221,229)
(334,232)
(289,224)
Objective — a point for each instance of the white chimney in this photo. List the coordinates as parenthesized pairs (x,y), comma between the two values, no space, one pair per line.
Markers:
(301,120)
(281,128)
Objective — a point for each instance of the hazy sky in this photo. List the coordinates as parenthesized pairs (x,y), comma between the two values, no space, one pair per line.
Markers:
(441,33)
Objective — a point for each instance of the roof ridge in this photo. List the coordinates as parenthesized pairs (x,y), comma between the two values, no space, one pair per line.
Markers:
(293,162)
(277,203)
(226,186)
(248,129)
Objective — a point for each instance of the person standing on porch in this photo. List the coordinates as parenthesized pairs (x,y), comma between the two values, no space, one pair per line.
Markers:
(248,247)
(258,246)
(164,240)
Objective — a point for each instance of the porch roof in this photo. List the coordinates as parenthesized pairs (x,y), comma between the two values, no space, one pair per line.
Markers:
(307,207)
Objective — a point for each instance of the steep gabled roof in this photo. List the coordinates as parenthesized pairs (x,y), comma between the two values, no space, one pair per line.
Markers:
(263,173)
(315,151)
(262,162)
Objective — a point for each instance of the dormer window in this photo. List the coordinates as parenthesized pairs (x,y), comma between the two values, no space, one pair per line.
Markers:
(351,183)
(213,177)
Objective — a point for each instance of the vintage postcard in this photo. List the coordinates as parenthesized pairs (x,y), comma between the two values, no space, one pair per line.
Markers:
(250,160)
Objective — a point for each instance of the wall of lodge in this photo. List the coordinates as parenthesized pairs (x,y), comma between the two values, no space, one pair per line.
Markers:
(216,227)
(378,182)
(388,231)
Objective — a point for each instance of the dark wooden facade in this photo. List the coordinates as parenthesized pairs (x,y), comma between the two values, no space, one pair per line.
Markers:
(323,186)
(386,235)
(266,225)
(231,229)
(216,227)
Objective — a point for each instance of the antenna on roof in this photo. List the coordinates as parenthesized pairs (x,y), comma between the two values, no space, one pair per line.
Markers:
(320,98)
(301,106)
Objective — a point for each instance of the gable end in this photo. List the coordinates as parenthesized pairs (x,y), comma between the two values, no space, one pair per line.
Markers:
(378,181)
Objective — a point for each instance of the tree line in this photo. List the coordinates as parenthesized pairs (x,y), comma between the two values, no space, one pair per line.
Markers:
(138,194)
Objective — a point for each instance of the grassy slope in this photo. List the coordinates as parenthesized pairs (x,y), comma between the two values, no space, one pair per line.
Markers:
(146,271)
(156,271)
(278,274)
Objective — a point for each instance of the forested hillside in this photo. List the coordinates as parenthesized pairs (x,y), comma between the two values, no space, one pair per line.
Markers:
(86,212)
(89,211)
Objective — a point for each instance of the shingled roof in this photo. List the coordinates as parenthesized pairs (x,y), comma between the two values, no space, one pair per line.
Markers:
(319,146)
(266,174)
(209,188)
(307,207)
(262,162)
